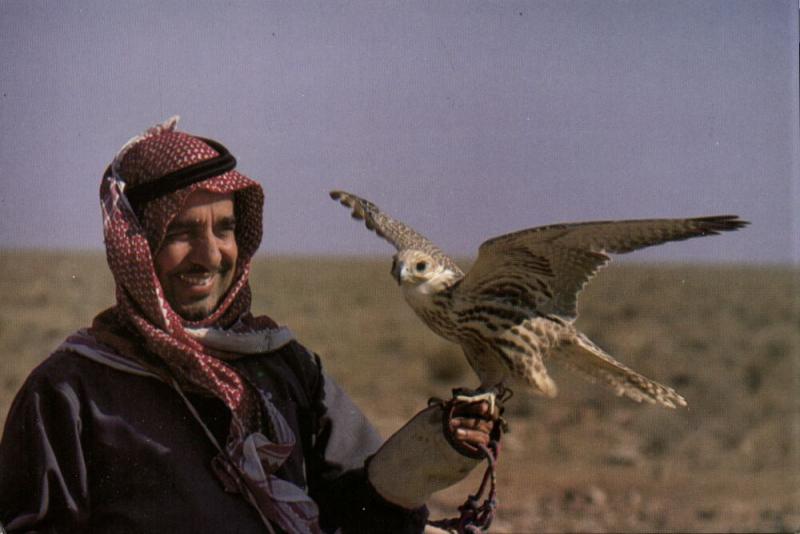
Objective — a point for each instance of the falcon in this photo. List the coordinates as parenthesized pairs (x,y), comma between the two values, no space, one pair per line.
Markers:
(516,307)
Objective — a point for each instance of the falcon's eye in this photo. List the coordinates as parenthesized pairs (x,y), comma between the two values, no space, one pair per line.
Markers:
(421,266)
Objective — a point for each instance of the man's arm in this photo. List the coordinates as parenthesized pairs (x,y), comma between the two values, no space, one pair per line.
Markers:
(337,475)
(390,494)
(43,476)
(436,449)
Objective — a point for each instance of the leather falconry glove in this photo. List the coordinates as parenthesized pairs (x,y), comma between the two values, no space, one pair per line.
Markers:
(429,453)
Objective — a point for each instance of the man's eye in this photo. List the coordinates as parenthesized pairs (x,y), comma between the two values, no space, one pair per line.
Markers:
(227,230)
(176,236)
(421,265)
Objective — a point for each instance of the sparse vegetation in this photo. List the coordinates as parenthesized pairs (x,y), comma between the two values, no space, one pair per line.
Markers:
(727,337)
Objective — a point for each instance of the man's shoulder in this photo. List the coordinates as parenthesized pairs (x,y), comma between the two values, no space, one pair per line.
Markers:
(59,374)
(58,365)
(67,367)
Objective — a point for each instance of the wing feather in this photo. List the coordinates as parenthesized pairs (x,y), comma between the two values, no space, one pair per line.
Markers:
(399,234)
(549,265)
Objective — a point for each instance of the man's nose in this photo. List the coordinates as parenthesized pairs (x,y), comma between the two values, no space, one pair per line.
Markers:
(206,251)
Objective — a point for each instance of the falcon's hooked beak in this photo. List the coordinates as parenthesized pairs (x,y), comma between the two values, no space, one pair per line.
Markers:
(397,269)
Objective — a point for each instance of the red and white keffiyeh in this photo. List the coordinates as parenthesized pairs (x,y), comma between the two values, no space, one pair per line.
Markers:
(184,350)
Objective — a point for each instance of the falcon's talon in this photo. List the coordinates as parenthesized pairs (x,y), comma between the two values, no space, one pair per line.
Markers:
(489,396)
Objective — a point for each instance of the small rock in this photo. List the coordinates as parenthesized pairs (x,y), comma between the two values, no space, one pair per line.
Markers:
(706,515)
(597,496)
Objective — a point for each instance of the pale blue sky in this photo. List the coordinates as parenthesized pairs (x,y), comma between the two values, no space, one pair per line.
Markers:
(466,119)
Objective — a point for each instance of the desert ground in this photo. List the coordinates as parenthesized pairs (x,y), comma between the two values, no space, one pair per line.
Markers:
(727,337)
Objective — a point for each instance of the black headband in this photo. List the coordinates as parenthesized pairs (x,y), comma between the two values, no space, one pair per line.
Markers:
(169,183)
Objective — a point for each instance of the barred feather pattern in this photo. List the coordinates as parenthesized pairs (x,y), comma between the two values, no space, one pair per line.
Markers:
(399,234)
(515,307)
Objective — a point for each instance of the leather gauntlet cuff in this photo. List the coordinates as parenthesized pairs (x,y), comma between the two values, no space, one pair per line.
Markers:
(419,460)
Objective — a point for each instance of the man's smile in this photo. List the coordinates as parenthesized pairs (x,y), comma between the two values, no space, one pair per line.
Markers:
(197,279)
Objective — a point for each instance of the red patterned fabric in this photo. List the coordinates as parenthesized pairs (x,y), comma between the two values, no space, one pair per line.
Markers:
(130,247)
(141,305)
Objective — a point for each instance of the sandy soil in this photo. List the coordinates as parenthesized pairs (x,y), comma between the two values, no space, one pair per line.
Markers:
(728,338)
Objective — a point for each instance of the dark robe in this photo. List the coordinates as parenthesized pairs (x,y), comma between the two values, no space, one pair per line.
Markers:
(89,448)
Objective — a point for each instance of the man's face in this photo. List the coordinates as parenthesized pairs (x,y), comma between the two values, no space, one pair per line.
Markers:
(196,262)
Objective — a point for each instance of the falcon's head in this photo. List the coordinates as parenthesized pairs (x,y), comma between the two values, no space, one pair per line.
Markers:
(415,269)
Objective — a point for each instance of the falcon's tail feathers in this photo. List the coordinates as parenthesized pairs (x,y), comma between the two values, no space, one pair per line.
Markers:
(595,364)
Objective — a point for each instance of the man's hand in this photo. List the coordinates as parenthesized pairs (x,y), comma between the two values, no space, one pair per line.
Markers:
(472,424)
(437,448)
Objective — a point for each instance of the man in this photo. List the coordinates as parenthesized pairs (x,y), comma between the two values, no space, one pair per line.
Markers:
(180,411)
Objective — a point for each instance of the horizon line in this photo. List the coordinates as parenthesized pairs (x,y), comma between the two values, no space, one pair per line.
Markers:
(262,255)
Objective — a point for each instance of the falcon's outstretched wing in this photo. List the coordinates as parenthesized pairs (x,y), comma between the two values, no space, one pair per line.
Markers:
(402,236)
(544,268)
